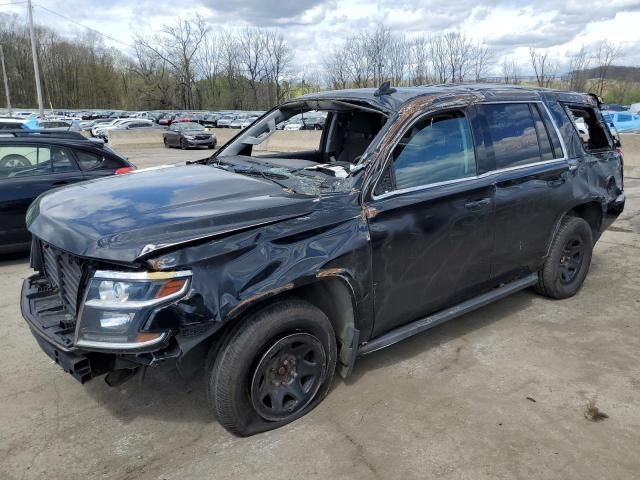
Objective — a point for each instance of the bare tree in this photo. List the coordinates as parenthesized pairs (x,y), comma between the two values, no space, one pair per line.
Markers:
(438,55)
(177,45)
(420,60)
(279,57)
(510,71)
(481,59)
(604,56)
(458,54)
(543,65)
(578,64)
(252,44)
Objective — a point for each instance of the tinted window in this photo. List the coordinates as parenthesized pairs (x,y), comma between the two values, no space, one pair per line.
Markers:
(513,134)
(435,149)
(623,117)
(88,160)
(61,160)
(546,149)
(24,160)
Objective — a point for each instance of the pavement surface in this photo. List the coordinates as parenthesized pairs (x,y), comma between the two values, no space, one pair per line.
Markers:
(501,393)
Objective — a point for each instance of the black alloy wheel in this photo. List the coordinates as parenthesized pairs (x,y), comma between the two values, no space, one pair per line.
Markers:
(288,376)
(571,260)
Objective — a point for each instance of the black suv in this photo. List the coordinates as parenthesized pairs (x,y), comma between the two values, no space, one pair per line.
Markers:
(271,269)
(32,162)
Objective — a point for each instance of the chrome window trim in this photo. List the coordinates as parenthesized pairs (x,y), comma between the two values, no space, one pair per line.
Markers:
(465,179)
(486,174)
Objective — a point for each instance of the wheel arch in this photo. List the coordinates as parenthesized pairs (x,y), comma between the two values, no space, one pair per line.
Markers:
(591,211)
(330,291)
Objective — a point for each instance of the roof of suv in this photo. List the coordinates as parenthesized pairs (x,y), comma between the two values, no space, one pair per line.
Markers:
(401,95)
(64,138)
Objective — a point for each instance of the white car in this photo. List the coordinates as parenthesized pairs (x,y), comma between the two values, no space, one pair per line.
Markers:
(99,130)
(127,124)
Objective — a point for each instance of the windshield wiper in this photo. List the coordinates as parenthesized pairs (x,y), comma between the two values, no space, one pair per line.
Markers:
(266,176)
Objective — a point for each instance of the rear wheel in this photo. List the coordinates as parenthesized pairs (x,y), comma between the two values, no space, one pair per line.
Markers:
(273,368)
(569,259)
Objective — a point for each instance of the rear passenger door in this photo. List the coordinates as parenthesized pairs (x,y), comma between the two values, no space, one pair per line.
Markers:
(530,173)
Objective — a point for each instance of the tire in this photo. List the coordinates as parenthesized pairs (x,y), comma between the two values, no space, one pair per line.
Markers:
(212,146)
(251,386)
(14,161)
(568,261)
(166,143)
(183,144)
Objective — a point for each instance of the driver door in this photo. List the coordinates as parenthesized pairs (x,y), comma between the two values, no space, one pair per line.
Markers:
(432,231)
(26,171)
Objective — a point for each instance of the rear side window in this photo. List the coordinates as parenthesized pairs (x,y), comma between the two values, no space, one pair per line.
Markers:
(591,130)
(88,160)
(436,149)
(513,134)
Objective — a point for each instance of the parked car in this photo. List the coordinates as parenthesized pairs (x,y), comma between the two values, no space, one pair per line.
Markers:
(34,162)
(54,124)
(12,123)
(225,120)
(622,121)
(275,269)
(186,135)
(128,124)
(211,119)
(248,121)
(166,119)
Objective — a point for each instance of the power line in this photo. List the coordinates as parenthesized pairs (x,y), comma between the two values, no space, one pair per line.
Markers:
(83,26)
(12,3)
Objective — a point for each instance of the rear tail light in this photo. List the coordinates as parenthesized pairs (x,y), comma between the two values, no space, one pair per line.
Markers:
(122,170)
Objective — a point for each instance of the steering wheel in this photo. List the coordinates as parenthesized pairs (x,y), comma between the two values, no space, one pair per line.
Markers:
(13,161)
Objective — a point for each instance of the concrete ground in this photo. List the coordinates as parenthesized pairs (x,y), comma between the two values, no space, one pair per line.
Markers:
(499,393)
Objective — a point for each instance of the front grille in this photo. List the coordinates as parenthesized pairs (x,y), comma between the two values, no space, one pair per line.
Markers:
(64,271)
(202,137)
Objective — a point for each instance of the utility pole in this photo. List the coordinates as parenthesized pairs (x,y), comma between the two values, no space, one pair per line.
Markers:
(34,54)
(6,80)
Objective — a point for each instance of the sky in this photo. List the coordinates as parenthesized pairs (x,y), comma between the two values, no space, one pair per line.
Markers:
(312,27)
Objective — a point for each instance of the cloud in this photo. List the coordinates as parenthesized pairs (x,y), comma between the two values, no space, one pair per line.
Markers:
(312,27)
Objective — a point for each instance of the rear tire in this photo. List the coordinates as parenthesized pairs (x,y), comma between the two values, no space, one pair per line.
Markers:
(273,368)
(567,265)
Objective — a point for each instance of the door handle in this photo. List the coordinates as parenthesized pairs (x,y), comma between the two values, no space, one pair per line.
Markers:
(477,204)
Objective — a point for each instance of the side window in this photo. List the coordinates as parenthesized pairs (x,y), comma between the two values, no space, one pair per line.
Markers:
(88,160)
(624,117)
(24,160)
(435,149)
(547,136)
(61,160)
(513,134)
(591,130)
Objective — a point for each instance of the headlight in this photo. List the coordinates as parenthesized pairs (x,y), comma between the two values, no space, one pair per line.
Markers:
(117,304)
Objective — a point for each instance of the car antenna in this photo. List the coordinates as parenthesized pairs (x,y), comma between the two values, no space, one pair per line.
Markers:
(384,89)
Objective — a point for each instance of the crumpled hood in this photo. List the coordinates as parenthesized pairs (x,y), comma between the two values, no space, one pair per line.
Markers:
(124,217)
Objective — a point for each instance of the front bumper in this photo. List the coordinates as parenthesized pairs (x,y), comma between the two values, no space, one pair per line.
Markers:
(54,329)
(201,143)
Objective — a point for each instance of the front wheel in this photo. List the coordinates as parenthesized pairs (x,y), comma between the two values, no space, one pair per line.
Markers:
(273,368)
(569,259)
(166,143)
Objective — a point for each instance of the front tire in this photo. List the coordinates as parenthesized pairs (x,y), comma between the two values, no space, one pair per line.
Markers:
(567,265)
(273,368)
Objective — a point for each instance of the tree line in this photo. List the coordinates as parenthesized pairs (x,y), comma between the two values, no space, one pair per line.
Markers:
(190,65)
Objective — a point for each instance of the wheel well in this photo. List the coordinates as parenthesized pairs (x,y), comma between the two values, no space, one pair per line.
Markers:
(334,297)
(592,213)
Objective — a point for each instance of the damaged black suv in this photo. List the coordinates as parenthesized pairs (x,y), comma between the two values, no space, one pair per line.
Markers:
(278,261)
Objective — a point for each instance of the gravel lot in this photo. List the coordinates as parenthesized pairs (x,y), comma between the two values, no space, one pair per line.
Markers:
(499,393)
